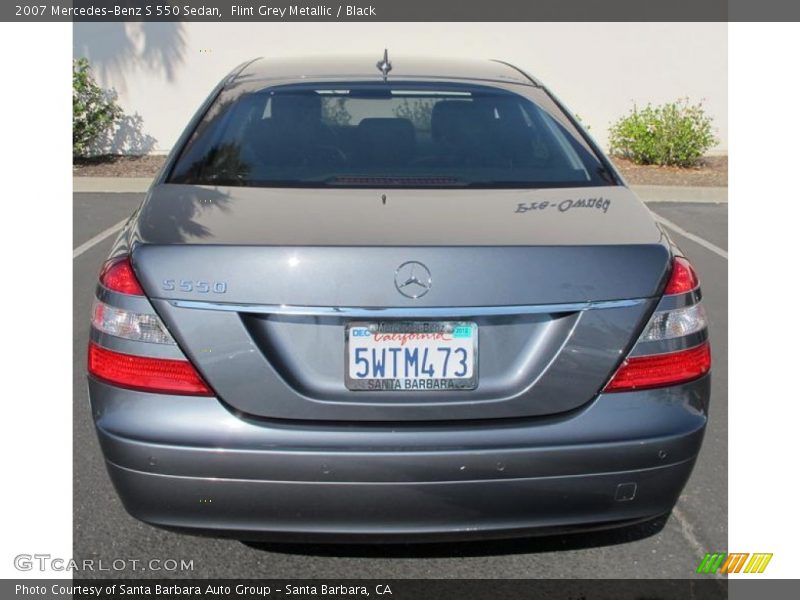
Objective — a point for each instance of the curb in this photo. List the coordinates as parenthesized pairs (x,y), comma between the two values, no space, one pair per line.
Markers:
(111,185)
(675,193)
(647,193)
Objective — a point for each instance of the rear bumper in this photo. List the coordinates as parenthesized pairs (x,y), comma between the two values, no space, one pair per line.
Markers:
(304,511)
(189,463)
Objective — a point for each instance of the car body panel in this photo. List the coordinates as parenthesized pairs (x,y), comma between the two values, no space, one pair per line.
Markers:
(287,481)
(391,512)
(584,245)
(330,216)
(293,367)
(403,67)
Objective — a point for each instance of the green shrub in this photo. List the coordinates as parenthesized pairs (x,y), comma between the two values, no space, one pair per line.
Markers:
(94,110)
(677,133)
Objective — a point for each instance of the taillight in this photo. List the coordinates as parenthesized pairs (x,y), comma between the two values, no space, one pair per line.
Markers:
(679,318)
(128,324)
(117,275)
(679,322)
(145,372)
(138,328)
(643,372)
(682,279)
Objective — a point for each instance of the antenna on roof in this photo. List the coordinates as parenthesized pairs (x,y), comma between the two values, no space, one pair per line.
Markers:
(384,65)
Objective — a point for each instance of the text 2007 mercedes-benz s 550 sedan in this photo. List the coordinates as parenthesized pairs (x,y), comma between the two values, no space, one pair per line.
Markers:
(411,302)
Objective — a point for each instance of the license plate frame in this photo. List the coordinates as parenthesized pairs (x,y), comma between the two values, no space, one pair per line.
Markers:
(453,328)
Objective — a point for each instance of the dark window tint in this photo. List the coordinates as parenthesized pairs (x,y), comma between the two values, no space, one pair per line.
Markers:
(385,135)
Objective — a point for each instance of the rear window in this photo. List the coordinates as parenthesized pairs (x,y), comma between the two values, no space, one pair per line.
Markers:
(385,135)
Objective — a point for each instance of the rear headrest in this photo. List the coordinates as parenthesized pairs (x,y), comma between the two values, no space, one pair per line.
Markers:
(296,108)
(453,119)
(386,141)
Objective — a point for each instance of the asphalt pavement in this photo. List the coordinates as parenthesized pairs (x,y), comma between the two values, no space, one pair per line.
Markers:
(104,532)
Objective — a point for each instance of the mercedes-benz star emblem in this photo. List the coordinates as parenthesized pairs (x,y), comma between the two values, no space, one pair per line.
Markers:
(412,279)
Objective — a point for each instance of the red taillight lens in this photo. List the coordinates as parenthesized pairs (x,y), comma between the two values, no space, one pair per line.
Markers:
(118,276)
(683,278)
(146,373)
(658,370)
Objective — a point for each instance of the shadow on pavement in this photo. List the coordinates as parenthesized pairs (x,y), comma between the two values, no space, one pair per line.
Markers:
(528,545)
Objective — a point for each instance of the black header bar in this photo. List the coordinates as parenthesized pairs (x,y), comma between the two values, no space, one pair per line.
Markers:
(400,10)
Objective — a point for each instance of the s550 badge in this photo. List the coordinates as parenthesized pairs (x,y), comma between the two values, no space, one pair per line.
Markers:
(189,285)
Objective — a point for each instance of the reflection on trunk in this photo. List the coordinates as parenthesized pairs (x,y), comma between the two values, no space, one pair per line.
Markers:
(179,220)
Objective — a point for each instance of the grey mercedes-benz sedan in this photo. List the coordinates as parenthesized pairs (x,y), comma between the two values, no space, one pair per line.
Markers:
(402,301)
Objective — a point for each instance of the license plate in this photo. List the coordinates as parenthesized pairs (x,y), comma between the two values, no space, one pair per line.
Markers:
(411,355)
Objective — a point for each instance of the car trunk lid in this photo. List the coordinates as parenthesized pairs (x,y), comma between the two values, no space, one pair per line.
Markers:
(259,285)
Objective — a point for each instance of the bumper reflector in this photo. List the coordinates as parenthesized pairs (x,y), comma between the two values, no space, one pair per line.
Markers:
(644,372)
(146,373)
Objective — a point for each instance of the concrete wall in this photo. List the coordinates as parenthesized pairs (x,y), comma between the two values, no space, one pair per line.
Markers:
(163,71)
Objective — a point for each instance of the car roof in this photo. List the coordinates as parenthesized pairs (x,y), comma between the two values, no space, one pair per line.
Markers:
(365,67)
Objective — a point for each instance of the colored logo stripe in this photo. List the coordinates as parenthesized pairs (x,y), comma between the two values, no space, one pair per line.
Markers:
(711,562)
(758,563)
(733,563)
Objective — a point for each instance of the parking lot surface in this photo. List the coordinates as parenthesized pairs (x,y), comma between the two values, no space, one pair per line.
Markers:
(103,530)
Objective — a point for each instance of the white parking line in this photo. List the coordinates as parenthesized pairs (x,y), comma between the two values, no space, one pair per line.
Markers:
(688,235)
(687,531)
(97,239)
